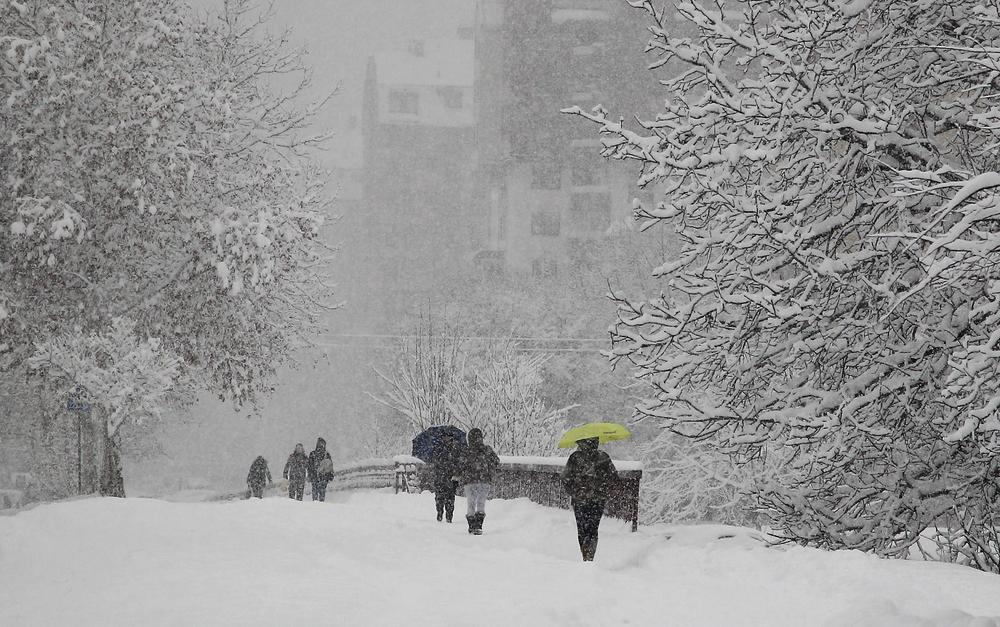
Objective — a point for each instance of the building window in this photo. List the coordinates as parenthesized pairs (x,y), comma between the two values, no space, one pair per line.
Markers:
(403,102)
(543,267)
(451,96)
(591,212)
(546,175)
(585,168)
(546,223)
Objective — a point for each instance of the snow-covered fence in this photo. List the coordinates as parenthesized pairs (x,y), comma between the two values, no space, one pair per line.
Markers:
(537,479)
(410,473)
(366,474)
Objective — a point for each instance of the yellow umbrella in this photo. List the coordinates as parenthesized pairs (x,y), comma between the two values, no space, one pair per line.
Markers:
(605,431)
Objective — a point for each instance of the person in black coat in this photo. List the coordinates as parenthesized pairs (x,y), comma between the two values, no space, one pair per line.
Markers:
(478,464)
(295,472)
(258,477)
(588,477)
(445,457)
(319,476)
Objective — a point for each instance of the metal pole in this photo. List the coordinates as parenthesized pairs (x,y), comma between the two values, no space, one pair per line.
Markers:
(79,454)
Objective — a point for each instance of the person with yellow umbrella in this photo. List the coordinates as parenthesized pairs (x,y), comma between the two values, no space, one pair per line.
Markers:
(588,477)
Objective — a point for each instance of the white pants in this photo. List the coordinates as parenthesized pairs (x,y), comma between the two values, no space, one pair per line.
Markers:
(476,494)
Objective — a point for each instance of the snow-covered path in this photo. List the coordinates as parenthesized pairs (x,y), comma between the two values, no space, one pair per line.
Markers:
(374,558)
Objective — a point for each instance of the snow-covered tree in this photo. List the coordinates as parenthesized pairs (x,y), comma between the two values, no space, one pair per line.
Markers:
(830,169)
(448,379)
(150,174)
(125,378)
(420,380)
(500,393)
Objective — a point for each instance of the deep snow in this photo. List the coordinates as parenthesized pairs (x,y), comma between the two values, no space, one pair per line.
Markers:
(375,558)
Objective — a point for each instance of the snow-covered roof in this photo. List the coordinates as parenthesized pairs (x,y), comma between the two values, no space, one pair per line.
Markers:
(444,62)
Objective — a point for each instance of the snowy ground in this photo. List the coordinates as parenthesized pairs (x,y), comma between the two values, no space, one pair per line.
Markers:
(381,559)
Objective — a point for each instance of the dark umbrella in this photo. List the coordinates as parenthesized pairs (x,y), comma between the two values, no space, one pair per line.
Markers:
(424,443)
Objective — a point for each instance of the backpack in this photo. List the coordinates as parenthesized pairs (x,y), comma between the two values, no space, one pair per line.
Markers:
(325,467)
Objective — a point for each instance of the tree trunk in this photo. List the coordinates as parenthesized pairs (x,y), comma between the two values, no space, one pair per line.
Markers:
(112,482)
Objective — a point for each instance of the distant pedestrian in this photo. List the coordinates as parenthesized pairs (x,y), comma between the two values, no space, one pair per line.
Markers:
(446,458)
(319,470)
(258,477)
(295,472)
(477,466)
(588,477)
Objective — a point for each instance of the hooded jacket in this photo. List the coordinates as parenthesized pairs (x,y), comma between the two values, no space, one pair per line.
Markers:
(259,473)
(589,473)
(478,463)
(296,467)
(315,457)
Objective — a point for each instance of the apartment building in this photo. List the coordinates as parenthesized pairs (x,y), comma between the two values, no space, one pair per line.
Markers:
(542,188)
(419,226)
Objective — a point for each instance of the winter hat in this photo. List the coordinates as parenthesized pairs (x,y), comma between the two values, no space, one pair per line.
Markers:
(475,436)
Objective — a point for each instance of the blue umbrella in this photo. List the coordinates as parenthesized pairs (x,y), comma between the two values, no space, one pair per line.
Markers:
(424,443)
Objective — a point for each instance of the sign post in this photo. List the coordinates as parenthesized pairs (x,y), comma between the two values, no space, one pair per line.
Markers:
(76,402)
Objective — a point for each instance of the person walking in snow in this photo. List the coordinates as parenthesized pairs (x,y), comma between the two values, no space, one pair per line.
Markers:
(258,477)
(295,472)
(477,466)
(320,470)
(445,458)
(588,477)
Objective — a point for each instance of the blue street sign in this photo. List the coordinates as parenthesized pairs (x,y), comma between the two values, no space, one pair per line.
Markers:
(75,404)
(75,401)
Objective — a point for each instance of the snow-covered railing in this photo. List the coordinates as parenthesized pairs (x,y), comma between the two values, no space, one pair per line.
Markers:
(410,473)
(537,479)
(366,474)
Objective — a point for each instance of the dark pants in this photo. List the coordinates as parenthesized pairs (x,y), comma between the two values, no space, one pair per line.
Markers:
(295,488)
(444,501)
(444,496)
(319,490)
(588,520)
(257,490)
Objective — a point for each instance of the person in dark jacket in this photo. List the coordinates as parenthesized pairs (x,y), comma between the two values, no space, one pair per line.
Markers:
(588,477)
(445,457)
(258,477)
(477,465)
(295,472)
(319,477)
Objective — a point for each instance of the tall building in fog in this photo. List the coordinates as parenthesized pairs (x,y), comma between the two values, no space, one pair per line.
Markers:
(543,191)
(419,161)
(469,166)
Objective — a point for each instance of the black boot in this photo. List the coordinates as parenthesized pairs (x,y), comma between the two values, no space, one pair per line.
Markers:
(480,517)
(472,523)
